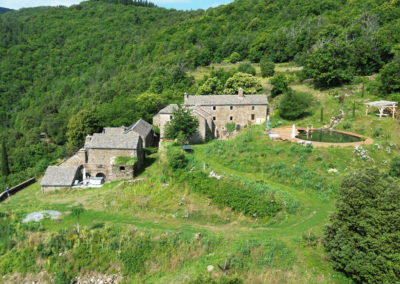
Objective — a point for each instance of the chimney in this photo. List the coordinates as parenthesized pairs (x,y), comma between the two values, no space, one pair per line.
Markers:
(241,93)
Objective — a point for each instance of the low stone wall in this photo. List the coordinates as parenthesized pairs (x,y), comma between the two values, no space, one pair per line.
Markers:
(4,195)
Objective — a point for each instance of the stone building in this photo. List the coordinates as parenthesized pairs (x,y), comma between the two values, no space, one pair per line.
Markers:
(116,153)
(145,130)
(60,177)
(215,111)
(102,149)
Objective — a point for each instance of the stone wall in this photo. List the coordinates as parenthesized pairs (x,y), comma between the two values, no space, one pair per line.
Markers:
(161,121)
(241,115)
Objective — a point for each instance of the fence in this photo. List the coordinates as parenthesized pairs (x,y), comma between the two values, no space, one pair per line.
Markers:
(4,195)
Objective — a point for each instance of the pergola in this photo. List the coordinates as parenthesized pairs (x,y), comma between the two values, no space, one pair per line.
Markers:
(382,106)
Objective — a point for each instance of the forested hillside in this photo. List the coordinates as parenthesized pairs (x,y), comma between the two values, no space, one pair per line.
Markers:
(124,62)
(4,10)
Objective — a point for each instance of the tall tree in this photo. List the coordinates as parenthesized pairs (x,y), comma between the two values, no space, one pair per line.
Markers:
(5,170)
(183,123)
(363,237)
(81,124)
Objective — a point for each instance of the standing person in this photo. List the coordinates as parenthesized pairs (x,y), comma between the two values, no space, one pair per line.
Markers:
(8,191)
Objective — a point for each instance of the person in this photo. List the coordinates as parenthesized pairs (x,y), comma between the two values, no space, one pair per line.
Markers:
(8,191)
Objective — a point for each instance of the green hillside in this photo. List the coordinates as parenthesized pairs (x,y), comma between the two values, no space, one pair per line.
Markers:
(128,61)
(100,64)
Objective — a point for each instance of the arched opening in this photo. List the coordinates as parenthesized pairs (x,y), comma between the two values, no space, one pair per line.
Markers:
(101,175)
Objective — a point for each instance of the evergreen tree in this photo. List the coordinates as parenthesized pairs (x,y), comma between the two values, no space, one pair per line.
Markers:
(5,170)
(267,67)
(363,237)
(294,105)
(280,85)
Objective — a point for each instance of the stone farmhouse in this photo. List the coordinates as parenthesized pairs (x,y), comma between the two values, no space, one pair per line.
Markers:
(116,153)
(215,111)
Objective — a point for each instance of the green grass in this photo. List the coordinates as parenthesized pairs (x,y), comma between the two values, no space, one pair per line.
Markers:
(160,206)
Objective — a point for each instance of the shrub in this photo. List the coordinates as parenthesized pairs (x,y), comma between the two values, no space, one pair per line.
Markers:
(230,127)
(390,77)
(177,159)
(267,67)
(280,85)
(247,68)
(294,105)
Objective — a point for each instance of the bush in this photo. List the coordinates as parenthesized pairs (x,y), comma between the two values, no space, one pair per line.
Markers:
(390,77)
(294,105)
(267,67)
(247,68)
(230,127)
(280,85)
(177,159)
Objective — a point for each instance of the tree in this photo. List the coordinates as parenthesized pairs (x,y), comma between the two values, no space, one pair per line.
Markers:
(182,123)
(390,77)
(81,124)
(247,68)
(5,170)
(211,86)
(149,104)
(267,67)
(235,57)
(362,237)
(330,66)
(247,82)
(280,85)
(395,167)
(294,105)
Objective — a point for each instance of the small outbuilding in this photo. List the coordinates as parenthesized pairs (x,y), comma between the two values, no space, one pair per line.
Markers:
(57,177)
(382,106)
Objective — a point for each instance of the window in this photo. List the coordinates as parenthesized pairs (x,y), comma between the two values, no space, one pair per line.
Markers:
(122,168)
(231,107)
(253,117)
(170,117)
(214,107)
(231,118)
(214,118)
(253,108)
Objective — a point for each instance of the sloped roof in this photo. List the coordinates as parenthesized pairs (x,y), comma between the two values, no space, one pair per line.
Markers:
(114,130)
(59,176)
(168,109)
(214,100)
(141,127)
(128,141)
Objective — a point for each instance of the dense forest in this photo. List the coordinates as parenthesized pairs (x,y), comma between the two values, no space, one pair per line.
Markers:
(124,60)
(4,10)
